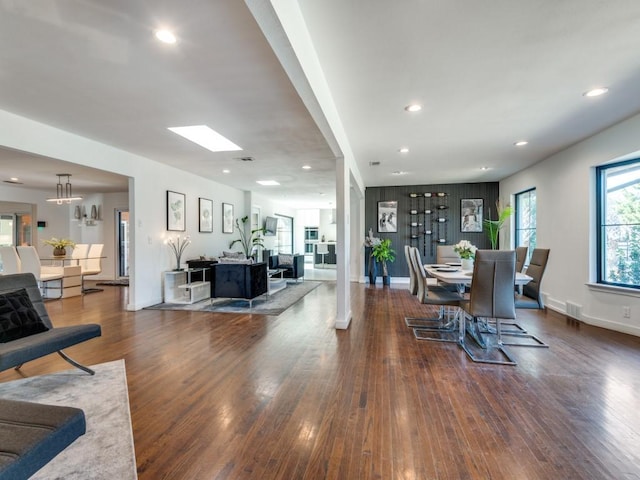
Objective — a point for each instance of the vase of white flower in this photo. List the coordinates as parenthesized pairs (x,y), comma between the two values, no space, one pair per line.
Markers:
(467,252)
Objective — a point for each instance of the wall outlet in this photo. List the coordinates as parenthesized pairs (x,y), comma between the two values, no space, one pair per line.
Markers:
(626,312)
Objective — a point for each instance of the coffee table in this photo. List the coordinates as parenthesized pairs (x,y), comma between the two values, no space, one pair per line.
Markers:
(276,280)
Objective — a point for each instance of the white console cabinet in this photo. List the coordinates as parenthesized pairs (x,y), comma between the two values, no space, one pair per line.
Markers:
(179,287)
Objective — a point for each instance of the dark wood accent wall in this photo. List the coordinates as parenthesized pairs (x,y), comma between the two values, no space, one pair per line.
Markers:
(445,232)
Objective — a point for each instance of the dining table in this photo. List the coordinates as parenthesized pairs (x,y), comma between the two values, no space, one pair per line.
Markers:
(452,273)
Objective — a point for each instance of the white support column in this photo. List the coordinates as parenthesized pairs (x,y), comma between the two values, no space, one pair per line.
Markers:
(343,314)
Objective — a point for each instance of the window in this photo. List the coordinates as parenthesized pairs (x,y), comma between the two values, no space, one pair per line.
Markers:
(618,220)
(526,221)
(285,234)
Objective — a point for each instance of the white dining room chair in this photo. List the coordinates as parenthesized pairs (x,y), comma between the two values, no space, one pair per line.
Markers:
(10,260)
(80,252)
(30,261)
(92,265)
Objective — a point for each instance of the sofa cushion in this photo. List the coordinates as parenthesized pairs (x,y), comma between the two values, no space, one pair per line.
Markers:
(244,261)
(238,255)
(18,317)
(285,260)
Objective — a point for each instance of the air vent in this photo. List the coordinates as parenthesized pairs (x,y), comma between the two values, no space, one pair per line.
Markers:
(374,164)
(246,159)
(12,182)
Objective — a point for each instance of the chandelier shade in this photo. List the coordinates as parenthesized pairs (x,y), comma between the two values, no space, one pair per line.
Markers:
(64,193)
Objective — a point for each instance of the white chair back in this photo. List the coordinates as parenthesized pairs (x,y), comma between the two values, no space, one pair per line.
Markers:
(80,252)
(93,261)
(10,260)
(30,261)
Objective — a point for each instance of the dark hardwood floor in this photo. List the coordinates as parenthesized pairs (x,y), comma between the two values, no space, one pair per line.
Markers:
(226,396)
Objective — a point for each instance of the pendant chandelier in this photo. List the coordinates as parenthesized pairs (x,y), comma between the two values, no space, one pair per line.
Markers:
(64,193)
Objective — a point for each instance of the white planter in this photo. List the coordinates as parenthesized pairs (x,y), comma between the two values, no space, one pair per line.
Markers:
(467,264)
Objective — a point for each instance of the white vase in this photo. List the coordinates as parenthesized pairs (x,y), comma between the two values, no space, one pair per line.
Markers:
(467,264)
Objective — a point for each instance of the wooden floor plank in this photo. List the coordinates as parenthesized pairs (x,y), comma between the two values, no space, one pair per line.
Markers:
(234,396)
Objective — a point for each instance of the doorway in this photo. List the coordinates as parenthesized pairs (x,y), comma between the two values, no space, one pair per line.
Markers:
(122,241)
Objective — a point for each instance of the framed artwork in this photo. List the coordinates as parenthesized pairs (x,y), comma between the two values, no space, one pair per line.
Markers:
(205,215)
(471,214)
(227,218)
(388,216)
(176,211)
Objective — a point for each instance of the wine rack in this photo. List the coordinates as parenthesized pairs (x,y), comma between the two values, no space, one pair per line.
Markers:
(428,220)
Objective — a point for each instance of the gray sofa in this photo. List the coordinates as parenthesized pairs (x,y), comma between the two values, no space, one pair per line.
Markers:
(31,434)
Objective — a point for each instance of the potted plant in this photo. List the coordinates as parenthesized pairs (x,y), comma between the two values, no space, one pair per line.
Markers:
(383,253)
(59,245)
(248,242)
(467,252)
(493,227)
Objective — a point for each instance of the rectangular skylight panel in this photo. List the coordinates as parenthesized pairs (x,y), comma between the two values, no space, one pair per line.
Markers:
(206,137)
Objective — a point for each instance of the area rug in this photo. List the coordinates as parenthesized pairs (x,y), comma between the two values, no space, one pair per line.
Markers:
(106,451)
(123,282)
(273,305)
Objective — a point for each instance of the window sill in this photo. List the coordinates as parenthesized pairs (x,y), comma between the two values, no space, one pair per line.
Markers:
(599,287)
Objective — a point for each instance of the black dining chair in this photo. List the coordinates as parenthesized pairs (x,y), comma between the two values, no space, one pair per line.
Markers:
(531,296)
(413,284)
(445,327)
(491,297)
(521,257)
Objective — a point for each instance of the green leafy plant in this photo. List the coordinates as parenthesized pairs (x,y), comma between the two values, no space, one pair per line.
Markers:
(383,253)
(493,227)
(248,242)
(59,242)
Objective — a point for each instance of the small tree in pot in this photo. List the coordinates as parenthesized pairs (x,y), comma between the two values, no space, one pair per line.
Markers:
(248,242)
(383,253)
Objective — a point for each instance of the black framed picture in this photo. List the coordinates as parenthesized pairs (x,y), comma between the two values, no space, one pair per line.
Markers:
(205,215)
(388,216)
(176,207)
(471,214)
(227,218)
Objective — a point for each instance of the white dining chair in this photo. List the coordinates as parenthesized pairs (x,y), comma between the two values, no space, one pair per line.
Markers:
(80,252)
(92,265)
(10,260)
(30,261)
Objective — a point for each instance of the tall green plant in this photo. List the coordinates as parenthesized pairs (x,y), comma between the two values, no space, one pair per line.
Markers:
(248,242)
(383,253)
(493,227)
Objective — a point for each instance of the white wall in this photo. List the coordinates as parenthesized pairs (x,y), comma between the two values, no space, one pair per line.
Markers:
(565,224)
(148,184)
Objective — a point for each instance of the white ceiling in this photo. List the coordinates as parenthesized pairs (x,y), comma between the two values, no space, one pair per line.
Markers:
(488,74)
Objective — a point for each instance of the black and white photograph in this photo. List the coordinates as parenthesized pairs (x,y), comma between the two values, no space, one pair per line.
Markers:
(471,214)
(175,211)
(388,216)
(227,218)
(205,215)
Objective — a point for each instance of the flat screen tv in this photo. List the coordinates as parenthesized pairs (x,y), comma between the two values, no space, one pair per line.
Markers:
(270,226)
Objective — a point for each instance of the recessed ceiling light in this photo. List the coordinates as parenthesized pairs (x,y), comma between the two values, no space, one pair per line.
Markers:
(403,150)
(484,169)
(399,172)
(14,179)
(596,92)
(521,143)
(166,36)
(414,107)
(226,170)
(206,137)
(306,167)
(267,183)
